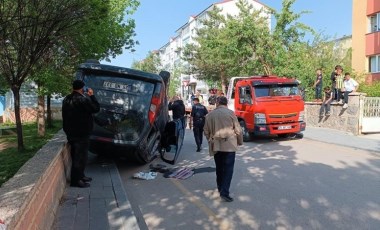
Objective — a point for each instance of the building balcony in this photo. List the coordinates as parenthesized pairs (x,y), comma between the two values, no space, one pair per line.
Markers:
(373,6)
(372,43)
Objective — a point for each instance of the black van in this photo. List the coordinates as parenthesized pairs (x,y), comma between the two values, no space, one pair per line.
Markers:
(133,111)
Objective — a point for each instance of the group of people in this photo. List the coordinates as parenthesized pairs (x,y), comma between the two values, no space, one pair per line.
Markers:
(220,126)
(222,131)
(341,86)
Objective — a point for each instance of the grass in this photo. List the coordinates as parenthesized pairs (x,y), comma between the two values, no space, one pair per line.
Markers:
(11,159)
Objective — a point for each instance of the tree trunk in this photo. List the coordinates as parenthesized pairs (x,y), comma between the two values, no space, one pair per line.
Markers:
(41,116)
(48,111)
(20,138)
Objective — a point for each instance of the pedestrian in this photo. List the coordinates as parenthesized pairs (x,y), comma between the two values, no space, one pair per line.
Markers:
(337,83)
(77,110)
(224,134)
(212,98)
(177,106)
(198,113)
(200,97)
(349,86)
(327,99)
(318,86)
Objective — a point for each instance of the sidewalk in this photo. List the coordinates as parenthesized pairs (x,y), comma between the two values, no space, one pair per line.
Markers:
(102,206)
(105,205)
(369,142)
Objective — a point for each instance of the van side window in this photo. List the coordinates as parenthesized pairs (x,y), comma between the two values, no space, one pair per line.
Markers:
(245,96)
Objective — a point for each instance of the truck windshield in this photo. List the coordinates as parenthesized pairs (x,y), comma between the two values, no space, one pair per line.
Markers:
(124,105)
(276,90)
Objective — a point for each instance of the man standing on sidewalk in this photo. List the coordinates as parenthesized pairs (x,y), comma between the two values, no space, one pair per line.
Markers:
(77,110)
(224,134)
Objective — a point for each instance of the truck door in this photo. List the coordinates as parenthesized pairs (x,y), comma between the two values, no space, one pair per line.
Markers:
(243,102)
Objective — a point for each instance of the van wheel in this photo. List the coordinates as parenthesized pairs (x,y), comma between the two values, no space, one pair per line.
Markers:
(246,134)
(148,149)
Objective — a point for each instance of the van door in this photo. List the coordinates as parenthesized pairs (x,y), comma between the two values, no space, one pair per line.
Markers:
(172,140)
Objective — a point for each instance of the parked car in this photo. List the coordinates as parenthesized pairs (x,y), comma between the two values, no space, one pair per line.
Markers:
(133,110)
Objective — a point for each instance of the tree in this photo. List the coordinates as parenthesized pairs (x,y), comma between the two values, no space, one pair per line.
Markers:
(244,44)
(150,64)
(104,34)
(29,28)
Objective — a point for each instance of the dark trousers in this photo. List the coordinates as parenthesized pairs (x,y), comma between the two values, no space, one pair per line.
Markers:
(318,93)
(224,163)
(198,134)
(79,156)
(325,107)
(345,96)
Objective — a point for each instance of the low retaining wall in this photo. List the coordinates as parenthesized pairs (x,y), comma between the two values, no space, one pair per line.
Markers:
(30,199)
(346,120)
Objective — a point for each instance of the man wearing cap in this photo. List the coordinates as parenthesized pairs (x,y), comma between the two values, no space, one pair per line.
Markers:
(77,110)
(224,134)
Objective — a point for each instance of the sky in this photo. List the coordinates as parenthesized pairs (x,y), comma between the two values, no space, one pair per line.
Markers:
(157,21)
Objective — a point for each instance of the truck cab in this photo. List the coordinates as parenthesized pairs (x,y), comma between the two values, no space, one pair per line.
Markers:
(267,105)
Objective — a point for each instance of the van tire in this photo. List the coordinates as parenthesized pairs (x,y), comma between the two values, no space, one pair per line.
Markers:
(147,150)
(246,134)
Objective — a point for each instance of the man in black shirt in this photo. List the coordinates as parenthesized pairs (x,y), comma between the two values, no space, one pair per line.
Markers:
(198,113)
(77,110)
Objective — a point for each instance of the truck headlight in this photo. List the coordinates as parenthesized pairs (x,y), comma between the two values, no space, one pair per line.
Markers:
(260,119)
(302,116)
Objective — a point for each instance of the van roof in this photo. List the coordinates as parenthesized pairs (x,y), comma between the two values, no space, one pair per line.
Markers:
(119,71)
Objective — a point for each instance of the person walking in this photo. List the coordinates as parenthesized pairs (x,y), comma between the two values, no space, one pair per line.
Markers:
(198,113)
(318,86)
(349,86)
(224,134)
(77,110)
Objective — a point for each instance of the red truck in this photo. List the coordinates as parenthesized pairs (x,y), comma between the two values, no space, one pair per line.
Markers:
(267,105)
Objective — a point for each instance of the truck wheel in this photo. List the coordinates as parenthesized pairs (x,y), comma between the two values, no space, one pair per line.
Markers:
(246,134)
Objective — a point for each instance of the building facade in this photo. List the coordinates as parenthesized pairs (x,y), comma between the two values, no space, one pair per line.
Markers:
(171,53)
(365,39)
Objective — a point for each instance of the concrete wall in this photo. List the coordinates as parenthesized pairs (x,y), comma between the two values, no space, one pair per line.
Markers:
(31,198)
(346,120)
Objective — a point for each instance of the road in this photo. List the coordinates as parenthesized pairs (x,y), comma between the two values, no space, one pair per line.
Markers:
(277,184)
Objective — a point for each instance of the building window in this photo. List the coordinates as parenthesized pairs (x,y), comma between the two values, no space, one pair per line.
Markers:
(374,21)
(374,64)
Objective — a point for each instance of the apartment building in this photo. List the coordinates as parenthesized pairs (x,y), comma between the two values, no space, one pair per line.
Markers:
(171,53)
(365,39)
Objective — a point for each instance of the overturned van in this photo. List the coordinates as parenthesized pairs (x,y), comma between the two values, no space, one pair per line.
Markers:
(133,111)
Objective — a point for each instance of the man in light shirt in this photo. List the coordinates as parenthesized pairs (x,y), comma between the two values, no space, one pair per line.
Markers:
(349,86)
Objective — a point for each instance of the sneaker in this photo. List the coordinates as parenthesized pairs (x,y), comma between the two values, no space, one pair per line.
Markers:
(340,102)
(87,179)
(328,114)
(80,184)
(345,106)
(227,198)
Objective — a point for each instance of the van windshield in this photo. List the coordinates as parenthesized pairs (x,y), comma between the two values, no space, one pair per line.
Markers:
(124,105)
(276,90)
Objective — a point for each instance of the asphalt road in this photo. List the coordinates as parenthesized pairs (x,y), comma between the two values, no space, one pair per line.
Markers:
(277,184)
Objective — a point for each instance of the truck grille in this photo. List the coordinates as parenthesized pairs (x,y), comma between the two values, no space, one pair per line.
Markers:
(282,115)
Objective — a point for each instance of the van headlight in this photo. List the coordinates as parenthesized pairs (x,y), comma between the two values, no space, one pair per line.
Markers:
(260,119)
(302,116)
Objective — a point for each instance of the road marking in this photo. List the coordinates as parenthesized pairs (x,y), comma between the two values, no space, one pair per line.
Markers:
(223,223)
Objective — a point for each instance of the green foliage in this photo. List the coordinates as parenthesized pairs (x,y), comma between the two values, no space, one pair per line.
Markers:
(11,159)
(243,45)
(372,90)
(150,64)
(175,81)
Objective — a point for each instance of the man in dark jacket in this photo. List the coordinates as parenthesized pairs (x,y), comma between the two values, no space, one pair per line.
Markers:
(77,110)
(198,113)
(177,107)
